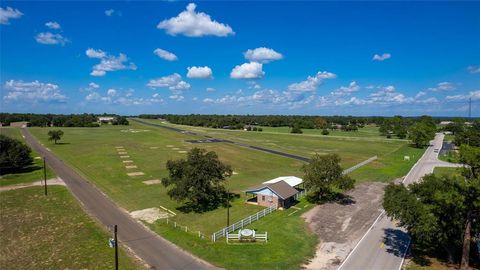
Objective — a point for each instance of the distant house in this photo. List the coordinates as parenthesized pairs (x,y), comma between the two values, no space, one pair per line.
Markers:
(22,124)
(445,123)
(105,119)
(279,192)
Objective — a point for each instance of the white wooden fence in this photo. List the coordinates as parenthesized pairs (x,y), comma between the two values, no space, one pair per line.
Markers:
(240,224)
(256,236)
(365,162)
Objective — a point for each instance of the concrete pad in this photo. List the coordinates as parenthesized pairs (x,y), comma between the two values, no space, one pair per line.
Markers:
(182,152)
(124,156)
(131,166)
(152,182)
(122,153)
(150,215)
(127,161)
(135,174)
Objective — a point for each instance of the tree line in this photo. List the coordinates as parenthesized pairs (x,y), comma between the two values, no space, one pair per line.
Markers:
(59,120)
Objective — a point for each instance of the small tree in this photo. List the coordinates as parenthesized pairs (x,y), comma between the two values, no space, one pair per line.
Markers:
(296,129)
(55,135)
(323,177)
(197,180)
(325,131)
(14,154)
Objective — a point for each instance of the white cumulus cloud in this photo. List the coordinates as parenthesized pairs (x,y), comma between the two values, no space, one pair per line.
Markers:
(109,12)
(252,70)
(443,86)
(262,55)
(194,24)
(382,57)
(312,82)
(108,62)
(53,25)
(346,90)
(474,95)
(173,82)
(9,13)
(32,92)
(199,72)
(49,38)
(165,54)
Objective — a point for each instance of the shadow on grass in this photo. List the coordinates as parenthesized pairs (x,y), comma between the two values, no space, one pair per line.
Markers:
(396,241)
(333,197)
(189,207)
(26,169)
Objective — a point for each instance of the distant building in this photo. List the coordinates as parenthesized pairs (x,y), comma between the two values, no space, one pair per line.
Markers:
(445,123)
(279,192)
(105,119)
(22,124)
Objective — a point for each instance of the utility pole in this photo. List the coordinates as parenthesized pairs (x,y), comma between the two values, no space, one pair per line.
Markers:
(470,109)
(228,208)
(45,175)
(116,247)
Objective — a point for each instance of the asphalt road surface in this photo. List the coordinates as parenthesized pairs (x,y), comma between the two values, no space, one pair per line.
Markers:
(384,245)
(157,252)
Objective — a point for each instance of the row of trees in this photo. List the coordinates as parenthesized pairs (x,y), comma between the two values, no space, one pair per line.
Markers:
(58,120)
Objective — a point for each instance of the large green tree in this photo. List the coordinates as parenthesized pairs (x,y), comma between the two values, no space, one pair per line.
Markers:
(55,135)
(198,181)
(13,154)
(421,133)
(324,177)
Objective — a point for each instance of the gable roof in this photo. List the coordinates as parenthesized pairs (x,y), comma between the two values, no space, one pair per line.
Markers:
(291,180)
(280,188)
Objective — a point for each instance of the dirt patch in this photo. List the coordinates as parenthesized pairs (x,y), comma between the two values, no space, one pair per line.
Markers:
(182,152)
(135,174)
(150,215)
(169,145)
(152,182)
(340,225)
(53,181)
(176,149)
(154,147)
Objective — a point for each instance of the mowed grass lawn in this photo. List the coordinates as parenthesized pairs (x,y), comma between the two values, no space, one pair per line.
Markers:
(52,232)
(92,152)
(352,150)
(288,245)
(32,173)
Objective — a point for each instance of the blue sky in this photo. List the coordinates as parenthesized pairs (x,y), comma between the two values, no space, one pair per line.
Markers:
(326,58)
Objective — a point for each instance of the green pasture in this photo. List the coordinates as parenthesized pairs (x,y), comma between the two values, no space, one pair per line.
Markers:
(52,232)
(352,150)
(32,173)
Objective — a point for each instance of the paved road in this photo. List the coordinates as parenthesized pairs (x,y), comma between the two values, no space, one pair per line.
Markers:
(151,248)
(385,244)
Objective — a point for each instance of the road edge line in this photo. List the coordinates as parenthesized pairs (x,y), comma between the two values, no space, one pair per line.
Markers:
(360,241)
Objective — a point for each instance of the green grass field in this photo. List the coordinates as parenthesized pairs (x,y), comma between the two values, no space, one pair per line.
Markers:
(447,171)
(366,132)
(389,165)
(52,232)
(287,248)
(92,152)
(33,173)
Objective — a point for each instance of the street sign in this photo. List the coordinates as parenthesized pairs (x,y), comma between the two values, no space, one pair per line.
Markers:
(111,242)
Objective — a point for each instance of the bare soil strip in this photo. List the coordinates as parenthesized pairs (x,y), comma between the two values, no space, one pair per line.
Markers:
(53,181)
(135,174)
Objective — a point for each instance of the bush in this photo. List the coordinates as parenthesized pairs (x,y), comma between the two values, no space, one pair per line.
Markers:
(296,129)
(14,154)
(260,129)
(325,132)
